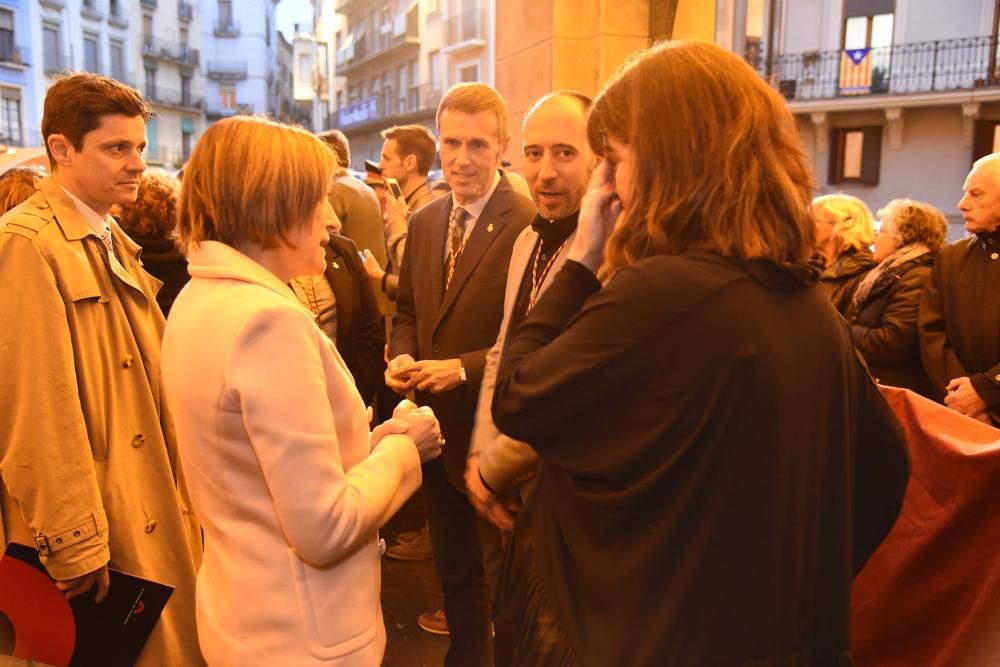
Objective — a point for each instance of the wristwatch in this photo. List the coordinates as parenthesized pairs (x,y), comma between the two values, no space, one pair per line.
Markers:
(461,372)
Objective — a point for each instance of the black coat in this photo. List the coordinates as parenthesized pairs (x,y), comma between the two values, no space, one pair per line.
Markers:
(462,323)
(841,279)
(960,318)
(716,462)
(360,327)
(164,261)
(884,327)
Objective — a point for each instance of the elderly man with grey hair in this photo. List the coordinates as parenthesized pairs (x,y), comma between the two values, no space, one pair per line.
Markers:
(960,312)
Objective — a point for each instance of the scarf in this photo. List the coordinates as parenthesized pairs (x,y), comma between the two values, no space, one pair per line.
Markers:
(907,253)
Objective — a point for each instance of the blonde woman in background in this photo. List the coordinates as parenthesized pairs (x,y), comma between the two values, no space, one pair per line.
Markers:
(289,484)
(845,230)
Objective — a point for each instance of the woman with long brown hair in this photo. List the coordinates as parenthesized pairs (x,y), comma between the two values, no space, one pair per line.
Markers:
(707,434)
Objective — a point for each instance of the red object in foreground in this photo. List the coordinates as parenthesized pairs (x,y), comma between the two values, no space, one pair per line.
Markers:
(41,617)
(930,594)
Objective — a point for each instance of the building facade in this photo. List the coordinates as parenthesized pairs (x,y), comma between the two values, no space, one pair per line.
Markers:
(311,78)
(17,81)
(240,54)
(893,98)
(167,53)
(397,57)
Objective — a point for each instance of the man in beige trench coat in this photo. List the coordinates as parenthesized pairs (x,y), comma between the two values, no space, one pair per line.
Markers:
(88,462)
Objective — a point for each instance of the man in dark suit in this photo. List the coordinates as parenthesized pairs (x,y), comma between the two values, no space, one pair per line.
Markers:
(449,307)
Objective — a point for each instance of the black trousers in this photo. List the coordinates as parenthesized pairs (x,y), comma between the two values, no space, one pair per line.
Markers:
(466,556)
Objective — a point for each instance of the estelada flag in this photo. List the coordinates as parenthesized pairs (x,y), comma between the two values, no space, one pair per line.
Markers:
(856,72)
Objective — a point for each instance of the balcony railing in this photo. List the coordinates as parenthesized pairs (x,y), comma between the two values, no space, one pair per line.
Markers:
(172,51)
(216,109)
(227,27)
(53,4)
(173,98)
(185,11)
(11,54)
(369,47)
(388,104)
(466,27)
(231,71)
(91,11)
(918,67)
(148,3)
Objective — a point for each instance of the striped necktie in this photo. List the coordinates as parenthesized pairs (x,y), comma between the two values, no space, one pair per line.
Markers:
(106,238)
(456,241)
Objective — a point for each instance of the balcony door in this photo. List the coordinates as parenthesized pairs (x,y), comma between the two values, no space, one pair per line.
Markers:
(867,45)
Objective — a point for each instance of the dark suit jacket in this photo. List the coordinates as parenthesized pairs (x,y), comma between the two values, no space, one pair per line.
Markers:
(464,322)
(960,318)
(360,331)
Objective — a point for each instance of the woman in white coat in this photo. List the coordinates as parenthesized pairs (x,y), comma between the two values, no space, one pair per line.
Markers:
(289,484)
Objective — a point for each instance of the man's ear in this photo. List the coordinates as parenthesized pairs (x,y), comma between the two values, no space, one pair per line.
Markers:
(503,151)
(410,162)
(61,148)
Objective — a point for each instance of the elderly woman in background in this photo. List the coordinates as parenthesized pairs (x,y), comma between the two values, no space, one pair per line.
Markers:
(716,462)
(886,303)
(18,183)
(844,233)
(289,484)
(151,223)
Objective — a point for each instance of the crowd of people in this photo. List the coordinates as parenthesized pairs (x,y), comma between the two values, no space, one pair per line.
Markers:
(636,389)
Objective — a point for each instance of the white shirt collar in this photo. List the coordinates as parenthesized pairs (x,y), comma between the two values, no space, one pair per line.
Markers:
(93,218)
(474,209)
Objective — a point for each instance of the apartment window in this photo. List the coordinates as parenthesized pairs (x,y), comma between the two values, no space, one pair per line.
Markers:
(340,99)
(986,138)
(6,35)
(147,29)
(151,83)
(434,67)
(267,30)
(855,155)
(305,68)
(89,4)
(50,46)
(91,63)
(225,13)
(227,96)
(117,52)
(401,87)
(115,7)
(187,139)
(186,91)
(10,116)
(868,24)
(183,33)
(468,73)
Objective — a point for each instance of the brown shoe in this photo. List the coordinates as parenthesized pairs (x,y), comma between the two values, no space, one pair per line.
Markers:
(417,549)
(433,622)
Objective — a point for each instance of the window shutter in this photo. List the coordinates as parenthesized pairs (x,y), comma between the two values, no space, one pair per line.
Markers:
(871,156)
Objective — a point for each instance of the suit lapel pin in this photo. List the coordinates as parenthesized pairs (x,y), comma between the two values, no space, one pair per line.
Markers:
(489,227)
(335,265)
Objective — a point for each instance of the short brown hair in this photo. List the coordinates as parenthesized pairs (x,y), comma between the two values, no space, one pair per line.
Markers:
(18,183)
(473,98)
(337,140)
(414,140)
(76,104)
(252,180)
(718,161)
(154,213)
(917,222)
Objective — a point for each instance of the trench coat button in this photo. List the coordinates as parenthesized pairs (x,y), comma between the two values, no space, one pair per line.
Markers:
(151,525)
(138,440)
(436,349)
(994,255)
(997,377)
(59,540)
(127,361)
